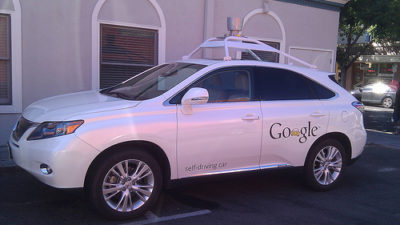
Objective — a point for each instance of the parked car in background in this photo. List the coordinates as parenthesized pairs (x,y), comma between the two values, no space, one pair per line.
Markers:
(376,93)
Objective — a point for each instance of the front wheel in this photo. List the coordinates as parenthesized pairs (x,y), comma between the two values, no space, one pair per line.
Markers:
(325,165)
(125,184)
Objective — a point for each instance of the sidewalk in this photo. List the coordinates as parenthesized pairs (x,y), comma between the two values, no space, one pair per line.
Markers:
(374,137)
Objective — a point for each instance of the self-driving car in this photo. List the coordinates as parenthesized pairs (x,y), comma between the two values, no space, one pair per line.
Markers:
(191,118)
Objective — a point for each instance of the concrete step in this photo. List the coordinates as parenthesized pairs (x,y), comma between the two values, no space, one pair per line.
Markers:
(4,158)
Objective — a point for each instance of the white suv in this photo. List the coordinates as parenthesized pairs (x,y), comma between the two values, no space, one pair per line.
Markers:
(189,118)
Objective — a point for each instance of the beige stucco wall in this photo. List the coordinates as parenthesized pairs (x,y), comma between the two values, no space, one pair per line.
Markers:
(184,22)
(6,4)
(138,12)
(56,51)
(307,26)
(57,35)
(262,25)
(56,47)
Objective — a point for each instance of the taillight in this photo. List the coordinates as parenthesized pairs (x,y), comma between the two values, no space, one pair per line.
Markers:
(359,105)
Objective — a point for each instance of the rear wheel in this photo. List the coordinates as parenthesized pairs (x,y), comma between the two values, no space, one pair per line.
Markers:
(125,185)
(387,102)
(325,165)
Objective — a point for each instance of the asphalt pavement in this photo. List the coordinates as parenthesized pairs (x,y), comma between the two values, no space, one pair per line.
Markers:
(378,119)
(369,195)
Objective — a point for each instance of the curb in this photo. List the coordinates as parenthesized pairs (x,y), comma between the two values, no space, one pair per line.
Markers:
(6,164)
(385,139)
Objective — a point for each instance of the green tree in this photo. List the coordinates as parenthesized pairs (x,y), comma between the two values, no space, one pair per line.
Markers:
(379,18)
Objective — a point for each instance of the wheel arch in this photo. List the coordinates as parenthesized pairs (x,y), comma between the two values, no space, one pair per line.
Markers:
(153,149)
(342,138)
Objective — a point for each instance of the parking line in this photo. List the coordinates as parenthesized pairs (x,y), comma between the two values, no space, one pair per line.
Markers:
(389,169)
(152,218)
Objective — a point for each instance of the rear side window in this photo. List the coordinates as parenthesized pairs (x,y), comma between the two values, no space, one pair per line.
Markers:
(321,91)
(280,84)
(332,77)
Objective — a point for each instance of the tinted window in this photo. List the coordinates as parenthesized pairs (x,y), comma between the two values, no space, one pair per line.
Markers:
(227,86)
(223,86)
(321,91)
(332,77)
(279,84)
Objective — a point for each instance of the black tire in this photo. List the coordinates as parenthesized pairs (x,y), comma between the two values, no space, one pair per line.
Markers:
(103,168)
(313,164)
(387,102)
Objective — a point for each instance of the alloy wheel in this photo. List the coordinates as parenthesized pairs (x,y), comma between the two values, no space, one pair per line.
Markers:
(327,165)
(128,185)
(387,102)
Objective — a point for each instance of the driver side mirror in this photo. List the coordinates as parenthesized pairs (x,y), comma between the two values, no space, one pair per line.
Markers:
(195,96)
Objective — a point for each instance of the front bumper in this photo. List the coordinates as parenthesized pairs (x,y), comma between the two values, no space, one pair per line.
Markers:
(68,156)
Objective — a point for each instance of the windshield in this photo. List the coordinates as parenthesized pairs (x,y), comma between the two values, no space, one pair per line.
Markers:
(154,82)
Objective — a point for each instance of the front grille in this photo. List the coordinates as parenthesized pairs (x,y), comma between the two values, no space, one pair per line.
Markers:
(22,125)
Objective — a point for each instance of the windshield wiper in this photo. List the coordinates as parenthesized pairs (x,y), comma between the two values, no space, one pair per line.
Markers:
(120,95)
(115,94)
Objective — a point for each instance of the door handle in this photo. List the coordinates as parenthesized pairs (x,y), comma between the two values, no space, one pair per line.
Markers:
(251,117)
(317,114)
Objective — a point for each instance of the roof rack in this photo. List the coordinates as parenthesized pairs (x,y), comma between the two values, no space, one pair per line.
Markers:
(243,43)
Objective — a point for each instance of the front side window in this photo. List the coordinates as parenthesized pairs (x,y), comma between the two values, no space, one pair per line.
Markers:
(154,82)
(5,60)
(227,86)
(279,84)
(125,52)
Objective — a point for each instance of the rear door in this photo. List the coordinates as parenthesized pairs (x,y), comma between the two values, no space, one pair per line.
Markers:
(293,117)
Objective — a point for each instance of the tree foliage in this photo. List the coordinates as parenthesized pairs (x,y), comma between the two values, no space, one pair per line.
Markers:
(379,18)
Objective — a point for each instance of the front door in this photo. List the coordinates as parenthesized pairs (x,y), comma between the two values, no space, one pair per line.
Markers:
(224,134)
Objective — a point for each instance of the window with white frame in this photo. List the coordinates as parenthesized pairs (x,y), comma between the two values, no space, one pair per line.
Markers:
(125,52)
(264,56)
(5,60)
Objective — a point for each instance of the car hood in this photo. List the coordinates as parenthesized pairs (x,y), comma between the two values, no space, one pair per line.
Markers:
(64,107)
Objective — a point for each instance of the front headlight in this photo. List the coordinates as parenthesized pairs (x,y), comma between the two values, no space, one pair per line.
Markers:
(54,129)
